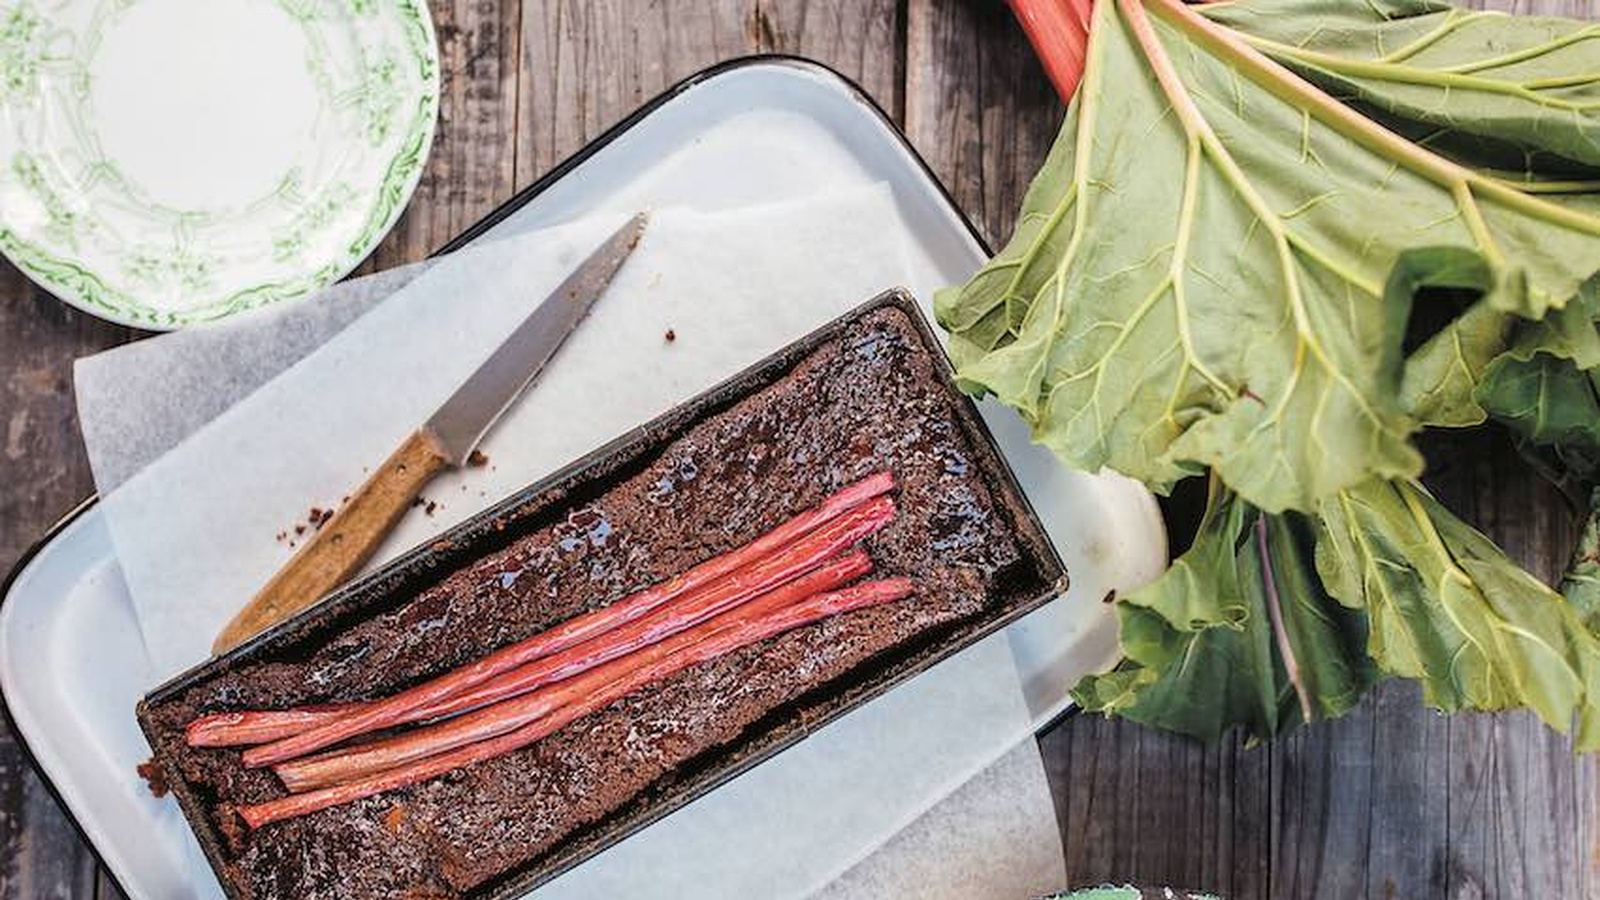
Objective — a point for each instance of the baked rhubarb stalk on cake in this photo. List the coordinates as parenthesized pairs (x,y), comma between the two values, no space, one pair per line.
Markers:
(612,642)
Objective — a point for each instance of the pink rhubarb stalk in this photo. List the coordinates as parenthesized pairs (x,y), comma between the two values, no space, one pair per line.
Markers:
(738,588)
(597,695)
(353,763)
(235,729)
(771,563)
(263,726)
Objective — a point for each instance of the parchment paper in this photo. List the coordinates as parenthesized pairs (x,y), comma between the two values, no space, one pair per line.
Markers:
(793,824)
(995,838)
(308,436)
(139,400)
(194,526)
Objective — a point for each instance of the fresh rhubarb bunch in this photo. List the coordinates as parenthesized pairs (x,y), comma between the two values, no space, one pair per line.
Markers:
(791,576)
(362,760)
(590,693)
(1274,240)
(793,546)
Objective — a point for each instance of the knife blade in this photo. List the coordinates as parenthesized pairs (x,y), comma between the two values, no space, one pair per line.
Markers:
(461,422)
(344,543)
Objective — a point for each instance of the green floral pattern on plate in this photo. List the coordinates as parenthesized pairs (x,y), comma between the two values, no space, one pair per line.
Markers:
(76,222)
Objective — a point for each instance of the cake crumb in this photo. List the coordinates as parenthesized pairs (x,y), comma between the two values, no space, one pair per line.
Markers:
(154,778)
(477,459)
(671,335)
(318,517)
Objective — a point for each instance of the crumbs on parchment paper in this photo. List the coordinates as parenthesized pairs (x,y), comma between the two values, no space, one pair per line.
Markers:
(315,518)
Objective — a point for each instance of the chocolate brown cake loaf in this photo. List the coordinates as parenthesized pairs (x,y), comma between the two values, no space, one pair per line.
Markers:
(869,394)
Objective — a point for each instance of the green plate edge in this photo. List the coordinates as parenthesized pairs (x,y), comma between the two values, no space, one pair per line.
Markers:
(78,285)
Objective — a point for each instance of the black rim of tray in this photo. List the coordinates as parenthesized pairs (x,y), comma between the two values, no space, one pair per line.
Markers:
(472,232)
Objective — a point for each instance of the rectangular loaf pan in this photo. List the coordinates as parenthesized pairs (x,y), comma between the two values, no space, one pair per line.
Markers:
(534,506)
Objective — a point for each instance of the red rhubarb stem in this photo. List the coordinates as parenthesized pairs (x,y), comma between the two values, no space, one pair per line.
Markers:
(260,727)
(351,764)
(732,591)
(1059,33)
(234,729)
(797,552)
(750,632)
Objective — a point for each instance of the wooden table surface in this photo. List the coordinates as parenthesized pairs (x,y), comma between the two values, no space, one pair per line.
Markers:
(1390,802)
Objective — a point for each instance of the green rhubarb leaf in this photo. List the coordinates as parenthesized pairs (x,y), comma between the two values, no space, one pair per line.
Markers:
(1441,377)
(1447,608)
(1546,385)
(1198,278)
(1489,358)
(1546,400)
(1581,586)
(1238,633)
(1512,96)
(1529,84)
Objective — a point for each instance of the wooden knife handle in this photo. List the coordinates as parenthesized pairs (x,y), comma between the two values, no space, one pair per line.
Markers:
(345,542)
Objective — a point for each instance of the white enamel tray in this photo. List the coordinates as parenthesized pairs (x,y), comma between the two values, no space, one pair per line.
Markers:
(71,662)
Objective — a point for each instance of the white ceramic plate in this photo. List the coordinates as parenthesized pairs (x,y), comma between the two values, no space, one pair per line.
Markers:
(71,661)
(168,162)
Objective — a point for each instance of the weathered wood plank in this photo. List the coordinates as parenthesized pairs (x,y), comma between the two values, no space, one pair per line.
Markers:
(1321,796)
(42,855)
(43,473)
(977,106)
(585,65)
(860,38)
(471,169)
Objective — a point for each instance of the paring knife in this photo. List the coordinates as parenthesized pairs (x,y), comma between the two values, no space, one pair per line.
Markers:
(347,540)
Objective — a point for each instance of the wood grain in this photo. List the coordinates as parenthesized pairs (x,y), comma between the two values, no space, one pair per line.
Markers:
(1389,802)
(584,65)
(588,63)
(471,169)
(43,473)
(978,106)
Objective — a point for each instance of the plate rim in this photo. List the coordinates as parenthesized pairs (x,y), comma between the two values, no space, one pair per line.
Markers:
(471,232)
(412,13)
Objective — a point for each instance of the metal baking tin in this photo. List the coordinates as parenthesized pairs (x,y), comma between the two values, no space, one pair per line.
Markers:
(534,506)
